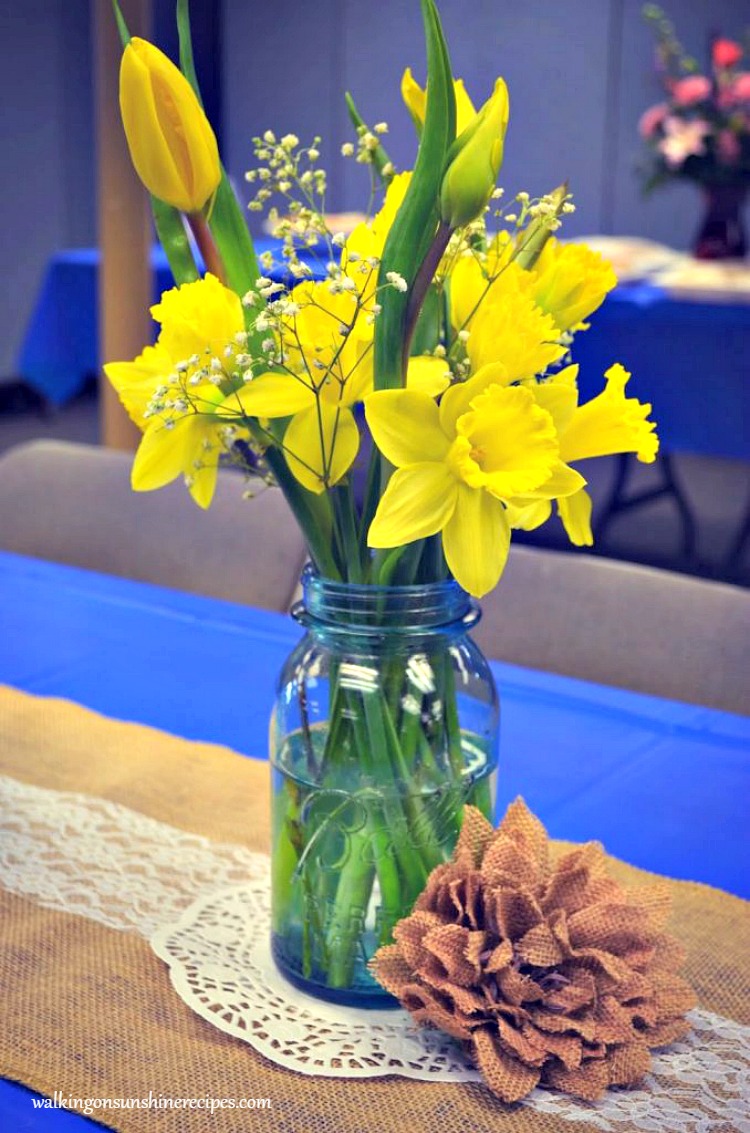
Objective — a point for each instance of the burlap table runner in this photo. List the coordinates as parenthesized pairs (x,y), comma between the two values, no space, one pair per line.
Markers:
(89,1011)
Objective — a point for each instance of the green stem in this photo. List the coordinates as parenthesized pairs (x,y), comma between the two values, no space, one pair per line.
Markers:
(346,525)
(412,231)
(207,246)
(421,286)
(371,499)
(347,921)
(311,512)
(385,564)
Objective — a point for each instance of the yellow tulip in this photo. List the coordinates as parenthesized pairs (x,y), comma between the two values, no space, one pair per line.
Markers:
(474,162)
(416,101)
(171,143)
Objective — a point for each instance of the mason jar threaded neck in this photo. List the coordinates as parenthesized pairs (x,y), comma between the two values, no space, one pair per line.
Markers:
(406,609)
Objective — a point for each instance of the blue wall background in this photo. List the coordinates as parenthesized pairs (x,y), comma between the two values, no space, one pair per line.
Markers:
(579,72)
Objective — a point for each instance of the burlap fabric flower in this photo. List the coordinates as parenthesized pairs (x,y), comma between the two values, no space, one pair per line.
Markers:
(552,974)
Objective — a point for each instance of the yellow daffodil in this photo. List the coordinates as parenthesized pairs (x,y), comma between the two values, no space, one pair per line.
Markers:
(327,351)
(416,102)
(136,381)
(608,424)
(456,464)
(571,282)
(474,276)
(172,145)
(428,374)
(198,316)
(474,162)
(169,392)
(509,328)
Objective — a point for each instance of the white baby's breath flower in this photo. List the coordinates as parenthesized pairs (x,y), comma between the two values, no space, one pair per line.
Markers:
(397,280)
(347,149)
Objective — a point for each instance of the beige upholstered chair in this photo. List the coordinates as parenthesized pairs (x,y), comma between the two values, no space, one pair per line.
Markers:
(621,624)
(72,503)
(575,614)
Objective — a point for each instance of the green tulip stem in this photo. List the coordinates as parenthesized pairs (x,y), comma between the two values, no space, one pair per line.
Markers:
(207,246)
(422,280)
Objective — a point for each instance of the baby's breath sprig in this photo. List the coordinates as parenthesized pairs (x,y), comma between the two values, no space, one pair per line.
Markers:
(290,171)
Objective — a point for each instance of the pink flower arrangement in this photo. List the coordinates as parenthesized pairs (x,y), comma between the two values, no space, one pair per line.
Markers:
(686,92)
(701,130)
(651,119)
(737,92)
(725,53)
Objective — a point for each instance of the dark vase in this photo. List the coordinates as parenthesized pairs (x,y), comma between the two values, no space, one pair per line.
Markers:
(721,235)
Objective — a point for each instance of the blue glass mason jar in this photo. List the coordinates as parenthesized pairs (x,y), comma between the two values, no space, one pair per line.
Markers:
(385,725)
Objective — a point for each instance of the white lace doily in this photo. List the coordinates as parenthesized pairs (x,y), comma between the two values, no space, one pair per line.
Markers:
(220,963)
(205,906)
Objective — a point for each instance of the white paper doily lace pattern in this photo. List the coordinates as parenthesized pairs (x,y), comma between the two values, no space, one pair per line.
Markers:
(205,907)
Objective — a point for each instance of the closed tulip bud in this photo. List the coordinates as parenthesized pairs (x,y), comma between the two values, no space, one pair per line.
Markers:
(171,143)
(474,162)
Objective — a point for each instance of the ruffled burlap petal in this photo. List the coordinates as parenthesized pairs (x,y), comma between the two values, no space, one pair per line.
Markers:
(551,974)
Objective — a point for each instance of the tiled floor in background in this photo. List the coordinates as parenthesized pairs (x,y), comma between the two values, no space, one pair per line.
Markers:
(718,492)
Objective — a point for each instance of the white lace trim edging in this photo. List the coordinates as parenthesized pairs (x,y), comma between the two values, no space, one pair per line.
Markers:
(205,907)
(81,854)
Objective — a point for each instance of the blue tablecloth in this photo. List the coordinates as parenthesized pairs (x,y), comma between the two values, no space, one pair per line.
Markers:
(663,785)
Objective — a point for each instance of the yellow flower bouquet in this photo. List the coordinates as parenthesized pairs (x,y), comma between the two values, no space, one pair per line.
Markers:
(415,401)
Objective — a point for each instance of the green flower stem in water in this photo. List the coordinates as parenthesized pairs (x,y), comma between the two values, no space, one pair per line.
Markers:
(347,921)
(285,855)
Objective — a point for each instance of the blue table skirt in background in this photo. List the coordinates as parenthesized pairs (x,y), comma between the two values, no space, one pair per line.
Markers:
(60,349)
